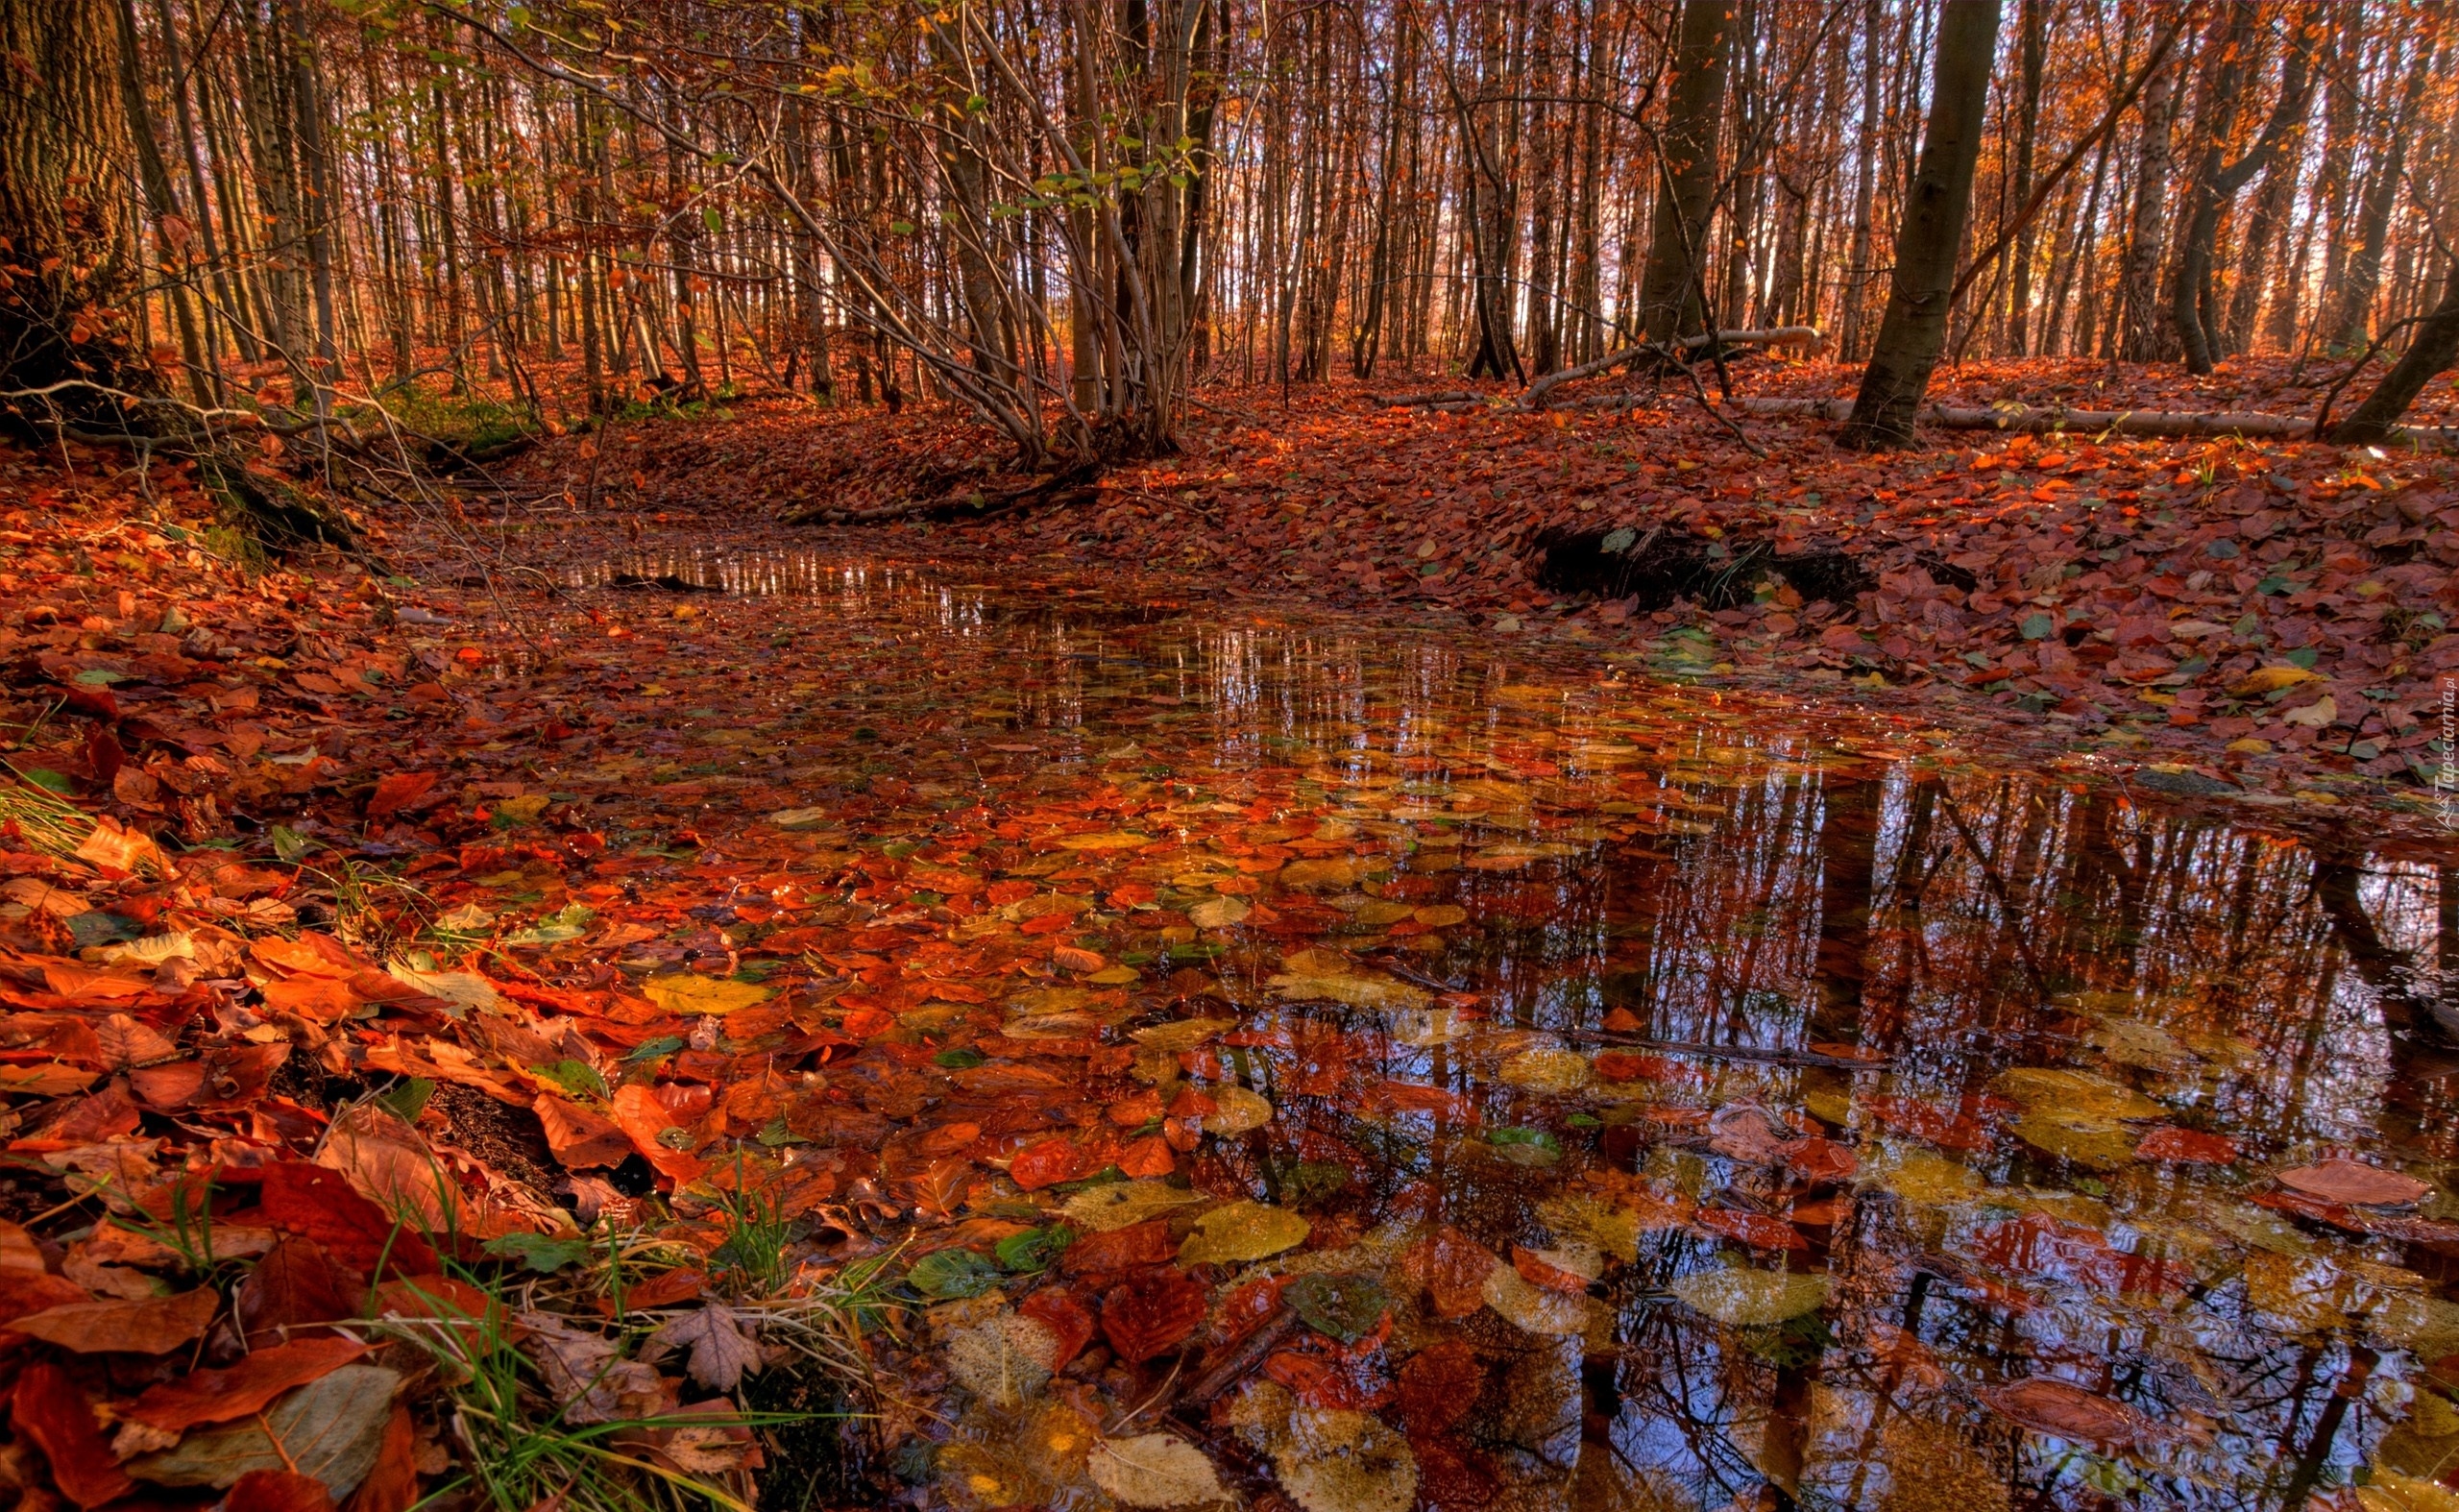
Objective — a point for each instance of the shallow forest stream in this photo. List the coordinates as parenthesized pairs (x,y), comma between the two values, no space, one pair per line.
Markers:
(1296,1050)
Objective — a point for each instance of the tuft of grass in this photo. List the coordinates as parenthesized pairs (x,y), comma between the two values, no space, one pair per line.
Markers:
(49,823)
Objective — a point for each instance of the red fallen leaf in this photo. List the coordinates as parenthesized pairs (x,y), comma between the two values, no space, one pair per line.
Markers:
(392,1483)
(1454,1268)
(1821,1212)
(278,1491)
(1069,1321)
(1437,1386)
(1146,1315)
(1413,1097)
(1147,1157)
(641,1115)
(665,1289)
(53,1413)
(1052,1161)
(579,1137)
(1814,1159)
(397,789)
(321,1204)
(1944,1127)
(1248,1306)
(1758,1229)
(1136,1109)
(218,1396)
(1453,1478)
(1328,1385)
(2069,1412)
(437,1297)
(1146,1243)
(2361,1220)
(2187,1146)
(154,1326)
(297,1286)
(2355,1183)
(1537,1272)
(2036,1244)
(1623,1021)
(23,1291)
(1631,1066)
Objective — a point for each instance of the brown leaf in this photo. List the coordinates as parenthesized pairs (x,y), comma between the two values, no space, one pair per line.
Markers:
(1147,1314)
(392,1486)
(318,1203)
(297,1286)
(579,1137)
(50,1411)
(240,1390)
(2355,1183)
(278,1491)
(722,1352)
(2068,1412)
(154,1326)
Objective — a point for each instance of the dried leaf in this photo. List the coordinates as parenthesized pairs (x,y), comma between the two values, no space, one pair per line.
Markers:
(1242,1231)
(722,1353)
(1154,1470)
(330,1429)
(153,1326)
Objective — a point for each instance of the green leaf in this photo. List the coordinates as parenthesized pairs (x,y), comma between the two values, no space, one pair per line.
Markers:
(408,1097)
(1036,1249)
(2303,656)
(538,1253)
(960,1059)
(1343,1308)
(576,1077)
(2036,626)
(289,845)
(710,218)
(655,1049)
(100,677)
(949,1273)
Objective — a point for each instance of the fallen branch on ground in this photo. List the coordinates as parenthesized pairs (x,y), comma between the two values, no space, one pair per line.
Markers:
(1072,485)
(1778,336)
(2025,418)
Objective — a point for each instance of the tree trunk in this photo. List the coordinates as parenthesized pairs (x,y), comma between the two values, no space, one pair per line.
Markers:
(2373,227)
(64,146)
(2435,348)
(1669,288)
(2216,182)
(2035,26)
(2139,297)
(1914,331)
(1857,278)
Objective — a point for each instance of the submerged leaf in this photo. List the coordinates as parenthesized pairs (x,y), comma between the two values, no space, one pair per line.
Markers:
(1748,1297)
(1242,1231)
(1154,1470)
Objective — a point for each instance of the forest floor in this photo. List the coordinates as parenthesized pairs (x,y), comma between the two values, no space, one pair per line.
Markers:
(2262,618)
(466,1023)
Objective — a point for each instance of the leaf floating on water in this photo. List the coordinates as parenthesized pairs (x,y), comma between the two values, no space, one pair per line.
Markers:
(1123,1204)
(1242,1231)
(1154,1470)
(1546,1071)
(1004,1359)
(2060,1411)
(1534,1309)
(1747,1132)
(1108,839)
(1343,1308)
(2075,1092)
(1217,913)
(1236,1111)
(2091,1141)
(1184,1034)
(1357,991)
(2187,1146)
(2355,1183)
(1919,1175)
(689,995)
(1332,1461)
(2389,1491)
(1747,1297)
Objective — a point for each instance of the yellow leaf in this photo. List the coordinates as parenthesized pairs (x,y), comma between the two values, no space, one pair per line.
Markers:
(1108,839)
(2269,679)
(690,995)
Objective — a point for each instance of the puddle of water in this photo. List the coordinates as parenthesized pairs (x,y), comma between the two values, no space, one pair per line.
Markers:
(1713,1105)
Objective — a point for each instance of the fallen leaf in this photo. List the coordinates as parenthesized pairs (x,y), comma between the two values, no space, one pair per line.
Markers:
(722,1353)
(2355,1183)
(2065,1411)
(278,1491)
(153,1326)
(1154,1470)
(1145,1315)
(1242,1231)
(330,1429)
(239,1390)
(50,1410)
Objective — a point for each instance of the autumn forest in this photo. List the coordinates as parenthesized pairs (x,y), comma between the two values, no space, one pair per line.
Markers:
(1297,755)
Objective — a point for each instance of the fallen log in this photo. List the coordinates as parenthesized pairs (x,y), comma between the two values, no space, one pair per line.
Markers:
(1777,336)
(2031,420)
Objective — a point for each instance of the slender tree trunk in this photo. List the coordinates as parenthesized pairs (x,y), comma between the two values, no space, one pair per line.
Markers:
(1669,288)
(1914,331)
(2217,182)
(2435,347)
(2364,275)
(2139,294)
